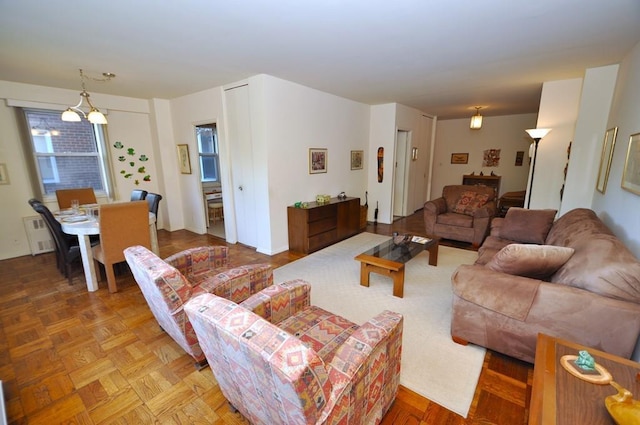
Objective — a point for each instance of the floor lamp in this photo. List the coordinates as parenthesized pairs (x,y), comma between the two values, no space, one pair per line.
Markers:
(536,134)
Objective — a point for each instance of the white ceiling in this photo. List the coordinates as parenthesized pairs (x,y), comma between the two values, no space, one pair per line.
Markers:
(440,56)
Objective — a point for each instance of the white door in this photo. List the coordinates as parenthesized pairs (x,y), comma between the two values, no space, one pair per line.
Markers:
(240,153)
(400,174)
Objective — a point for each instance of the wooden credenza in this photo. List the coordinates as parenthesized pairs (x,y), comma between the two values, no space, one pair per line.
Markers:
(320,225)
(491,181)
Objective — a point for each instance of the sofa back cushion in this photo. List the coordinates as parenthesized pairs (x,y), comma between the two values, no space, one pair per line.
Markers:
(527,226)
(530,260)
(601,263)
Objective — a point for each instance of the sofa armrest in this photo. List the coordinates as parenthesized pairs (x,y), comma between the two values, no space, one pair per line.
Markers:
(194,260)
(357,362)
(431,211)
(488,210)
(278,302)
(502,293)
(496,224)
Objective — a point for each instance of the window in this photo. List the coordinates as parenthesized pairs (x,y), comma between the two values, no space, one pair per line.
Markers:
(67,154)
(208,150)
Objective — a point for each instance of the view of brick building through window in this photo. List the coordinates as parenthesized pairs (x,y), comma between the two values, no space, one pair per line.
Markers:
(66,154)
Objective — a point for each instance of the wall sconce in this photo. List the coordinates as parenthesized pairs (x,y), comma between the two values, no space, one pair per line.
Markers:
(476,120)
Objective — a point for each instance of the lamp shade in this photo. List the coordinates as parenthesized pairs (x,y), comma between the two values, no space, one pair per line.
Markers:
(476,122)
(70,115)
(96,117)
(538,133)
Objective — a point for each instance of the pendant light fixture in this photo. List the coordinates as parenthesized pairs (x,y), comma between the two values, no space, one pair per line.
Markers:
(94,116)
(476,120)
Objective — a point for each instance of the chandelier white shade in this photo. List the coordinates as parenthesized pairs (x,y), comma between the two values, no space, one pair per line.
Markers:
(73,113)
(476,120)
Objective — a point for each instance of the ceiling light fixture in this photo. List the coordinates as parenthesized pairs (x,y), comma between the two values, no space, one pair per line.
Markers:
(94,116)
(476,120)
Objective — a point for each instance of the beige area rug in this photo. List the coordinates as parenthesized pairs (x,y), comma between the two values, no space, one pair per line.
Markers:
(432,364)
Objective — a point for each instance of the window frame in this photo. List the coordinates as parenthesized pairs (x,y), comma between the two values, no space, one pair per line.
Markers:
(202,155)
(101,154)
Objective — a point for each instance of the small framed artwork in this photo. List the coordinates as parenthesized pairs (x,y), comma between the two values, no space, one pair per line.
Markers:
(631,173)
(183,159)
(356,160)
(459,158)
(519,158)
(317,160)
(605,159)
(4,174)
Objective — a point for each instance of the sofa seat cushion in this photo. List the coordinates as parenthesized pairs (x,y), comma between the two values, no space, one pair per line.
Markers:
(530,260)
(469,202)
(491,246)
(454,219)
(527,226)
(320,330)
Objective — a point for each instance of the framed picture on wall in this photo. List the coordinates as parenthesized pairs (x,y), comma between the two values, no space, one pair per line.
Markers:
(183,159)
(631,174)
(356,160)
(459,158)
(605,158)
(317,160)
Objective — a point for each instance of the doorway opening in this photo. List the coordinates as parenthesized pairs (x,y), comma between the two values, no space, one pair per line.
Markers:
(401,174)
(209,162)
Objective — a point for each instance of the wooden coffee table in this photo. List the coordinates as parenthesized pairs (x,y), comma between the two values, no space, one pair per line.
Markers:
(559,398)
(389,258)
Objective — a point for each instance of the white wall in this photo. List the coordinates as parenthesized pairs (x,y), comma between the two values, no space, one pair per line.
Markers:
(506,133)
(617,207)
(559,107)
(287,119)
(186,112)
(382,130)
(595,102)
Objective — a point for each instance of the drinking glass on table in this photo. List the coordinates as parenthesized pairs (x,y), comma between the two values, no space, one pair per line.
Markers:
(75,206)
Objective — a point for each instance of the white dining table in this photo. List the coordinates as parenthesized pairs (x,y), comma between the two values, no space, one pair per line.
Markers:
(91,226)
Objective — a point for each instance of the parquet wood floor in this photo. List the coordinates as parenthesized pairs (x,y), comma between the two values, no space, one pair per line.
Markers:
(73,357)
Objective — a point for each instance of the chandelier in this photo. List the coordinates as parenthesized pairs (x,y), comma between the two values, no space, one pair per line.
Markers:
(476,120)
(94,116)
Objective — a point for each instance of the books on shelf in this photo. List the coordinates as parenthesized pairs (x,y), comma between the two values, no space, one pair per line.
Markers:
(420,239)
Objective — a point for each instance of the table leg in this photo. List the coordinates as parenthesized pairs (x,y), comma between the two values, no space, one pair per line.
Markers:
(153,233)
(364,274)
(87,263)
(398,282)
(433,254)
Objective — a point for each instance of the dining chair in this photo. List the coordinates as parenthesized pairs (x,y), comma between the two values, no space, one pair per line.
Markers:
(67,252)
(153,199)
(84,195)
(122,225)
(138,195)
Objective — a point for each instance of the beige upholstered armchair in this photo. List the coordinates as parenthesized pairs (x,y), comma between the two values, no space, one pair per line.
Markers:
(168,284)
(280,360)
(463,213)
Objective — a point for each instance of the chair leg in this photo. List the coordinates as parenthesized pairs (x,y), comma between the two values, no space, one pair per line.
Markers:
(459,340)
(111,277)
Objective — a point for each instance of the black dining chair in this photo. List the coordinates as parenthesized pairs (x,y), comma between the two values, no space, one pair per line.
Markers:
(67,252)
(138,195)
(153,199)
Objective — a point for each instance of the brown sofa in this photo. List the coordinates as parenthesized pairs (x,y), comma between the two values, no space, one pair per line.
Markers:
(463,213)
(523,284)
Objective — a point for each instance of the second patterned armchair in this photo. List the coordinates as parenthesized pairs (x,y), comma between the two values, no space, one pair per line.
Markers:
(279,360)
(168,284)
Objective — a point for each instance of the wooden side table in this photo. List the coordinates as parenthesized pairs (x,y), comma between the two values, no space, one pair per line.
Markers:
(562,399)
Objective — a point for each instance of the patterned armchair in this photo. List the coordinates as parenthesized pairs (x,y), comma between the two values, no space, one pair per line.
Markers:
(279,360)
(168,284)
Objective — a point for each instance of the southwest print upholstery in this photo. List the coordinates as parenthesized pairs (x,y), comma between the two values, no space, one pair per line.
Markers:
(166,289)
(312,367)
